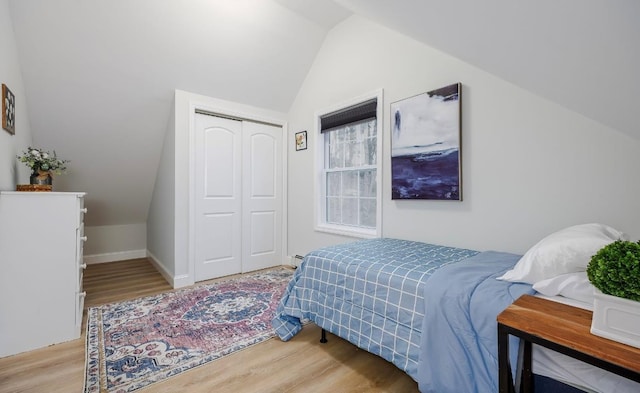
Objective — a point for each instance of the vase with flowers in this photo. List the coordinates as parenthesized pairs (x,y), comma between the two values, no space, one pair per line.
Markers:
(43,164)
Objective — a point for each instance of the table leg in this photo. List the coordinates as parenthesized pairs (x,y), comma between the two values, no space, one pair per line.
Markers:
(525,373)
(505,380)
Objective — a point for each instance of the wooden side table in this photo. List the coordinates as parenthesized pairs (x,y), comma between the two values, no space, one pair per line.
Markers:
(562,328)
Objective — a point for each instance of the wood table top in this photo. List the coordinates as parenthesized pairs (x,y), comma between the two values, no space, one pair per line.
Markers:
(568,326)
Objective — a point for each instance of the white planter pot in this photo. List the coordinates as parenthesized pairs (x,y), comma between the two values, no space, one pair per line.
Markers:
(616,318)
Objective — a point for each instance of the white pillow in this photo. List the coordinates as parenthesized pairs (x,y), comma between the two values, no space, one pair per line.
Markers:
(566,251)
(575,286)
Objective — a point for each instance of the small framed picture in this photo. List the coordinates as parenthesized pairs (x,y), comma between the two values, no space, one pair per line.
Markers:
(301,140)
(8,110)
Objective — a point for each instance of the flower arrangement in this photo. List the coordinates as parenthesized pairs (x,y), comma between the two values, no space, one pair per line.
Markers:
(615,269)
(43,161)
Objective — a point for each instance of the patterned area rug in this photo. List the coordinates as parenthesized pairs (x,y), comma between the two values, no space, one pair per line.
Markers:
(136,343)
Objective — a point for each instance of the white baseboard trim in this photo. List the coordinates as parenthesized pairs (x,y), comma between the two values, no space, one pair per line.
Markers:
(175,282)
(114,256)
(182,281)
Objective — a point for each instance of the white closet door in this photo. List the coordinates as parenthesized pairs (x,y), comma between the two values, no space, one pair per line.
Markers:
(239,196)
(262,196)
(218,204)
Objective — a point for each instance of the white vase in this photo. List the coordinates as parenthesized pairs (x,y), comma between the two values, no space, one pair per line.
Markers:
(616,318)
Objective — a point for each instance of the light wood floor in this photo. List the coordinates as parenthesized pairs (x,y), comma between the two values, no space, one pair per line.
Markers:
(300,365)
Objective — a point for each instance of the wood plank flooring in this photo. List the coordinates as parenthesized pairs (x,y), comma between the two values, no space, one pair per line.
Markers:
(300,365)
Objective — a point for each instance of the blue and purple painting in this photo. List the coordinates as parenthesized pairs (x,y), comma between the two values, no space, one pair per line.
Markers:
(425,146)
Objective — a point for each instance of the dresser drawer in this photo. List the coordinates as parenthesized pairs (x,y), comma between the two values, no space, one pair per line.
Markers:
(81,238)
(82,210)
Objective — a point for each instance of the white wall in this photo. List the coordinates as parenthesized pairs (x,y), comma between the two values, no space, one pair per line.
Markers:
(106,243)
(12,172)
(161,241)
(161,215)
(111,243)
(530,167)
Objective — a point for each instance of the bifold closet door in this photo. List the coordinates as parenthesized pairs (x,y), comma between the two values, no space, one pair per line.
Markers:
(238,210)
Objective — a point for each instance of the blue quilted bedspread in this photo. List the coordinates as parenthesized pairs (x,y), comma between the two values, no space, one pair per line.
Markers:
(459,346)
(369,292)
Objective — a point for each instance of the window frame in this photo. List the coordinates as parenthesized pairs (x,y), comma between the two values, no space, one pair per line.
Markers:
(320,191)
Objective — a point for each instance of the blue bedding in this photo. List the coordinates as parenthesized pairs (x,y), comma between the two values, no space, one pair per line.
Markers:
(458,350)
(369,292)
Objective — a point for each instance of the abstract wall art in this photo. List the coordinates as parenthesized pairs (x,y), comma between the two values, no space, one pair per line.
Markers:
(425,146)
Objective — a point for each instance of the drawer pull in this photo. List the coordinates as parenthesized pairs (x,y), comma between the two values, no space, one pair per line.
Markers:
(82,294)
(83,266)
(84,210)
(83,238)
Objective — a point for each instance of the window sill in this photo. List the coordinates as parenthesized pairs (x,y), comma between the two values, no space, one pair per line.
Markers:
(347,231)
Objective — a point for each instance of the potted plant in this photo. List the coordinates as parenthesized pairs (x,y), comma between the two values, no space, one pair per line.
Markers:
(615,272)
(42,164)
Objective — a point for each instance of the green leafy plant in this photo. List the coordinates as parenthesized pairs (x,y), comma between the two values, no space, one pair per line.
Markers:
(40,160)
(615,269)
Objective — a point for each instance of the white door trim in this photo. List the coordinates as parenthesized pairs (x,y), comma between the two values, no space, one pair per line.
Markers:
(239,111)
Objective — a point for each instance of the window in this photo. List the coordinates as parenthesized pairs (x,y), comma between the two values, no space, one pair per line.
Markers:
(349,173)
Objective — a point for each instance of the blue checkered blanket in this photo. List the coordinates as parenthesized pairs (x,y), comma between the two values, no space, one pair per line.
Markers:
(369,292)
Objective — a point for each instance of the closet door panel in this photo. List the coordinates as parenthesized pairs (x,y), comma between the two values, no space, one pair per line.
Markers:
(263,173)
(220,248)
(262,198)
(263,230)
(218,202)
(218,153)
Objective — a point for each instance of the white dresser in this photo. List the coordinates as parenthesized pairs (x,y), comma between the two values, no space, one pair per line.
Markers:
(41,268)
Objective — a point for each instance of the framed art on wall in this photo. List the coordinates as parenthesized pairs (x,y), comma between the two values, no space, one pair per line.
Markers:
(425,146)
(8,110)
(301,140)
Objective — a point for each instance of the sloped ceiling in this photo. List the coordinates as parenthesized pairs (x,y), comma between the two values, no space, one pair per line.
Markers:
(99,75)
(581,54)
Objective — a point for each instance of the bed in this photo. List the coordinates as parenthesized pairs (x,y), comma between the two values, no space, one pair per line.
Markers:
(428,309)
(368,292)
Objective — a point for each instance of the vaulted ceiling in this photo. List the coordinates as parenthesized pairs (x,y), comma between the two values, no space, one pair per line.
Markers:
(583,55)
(100,75)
